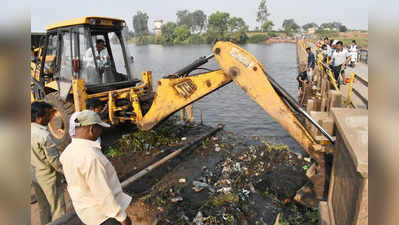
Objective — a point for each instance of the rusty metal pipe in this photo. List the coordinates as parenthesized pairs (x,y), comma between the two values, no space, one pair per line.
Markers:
(284,94)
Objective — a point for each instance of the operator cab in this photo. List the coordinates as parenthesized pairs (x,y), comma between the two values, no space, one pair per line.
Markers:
(88,48)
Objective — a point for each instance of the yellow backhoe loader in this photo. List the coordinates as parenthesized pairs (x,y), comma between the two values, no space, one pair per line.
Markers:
(67,70)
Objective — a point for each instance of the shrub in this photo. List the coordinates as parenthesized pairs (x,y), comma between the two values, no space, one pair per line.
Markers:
(195,39)
(258,38)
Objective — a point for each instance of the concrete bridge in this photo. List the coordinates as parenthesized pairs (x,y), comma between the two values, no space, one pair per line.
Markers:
(343,113)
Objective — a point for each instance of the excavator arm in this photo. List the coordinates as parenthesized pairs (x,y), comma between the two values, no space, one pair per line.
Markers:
(247,72)
(179,90)
(174,94)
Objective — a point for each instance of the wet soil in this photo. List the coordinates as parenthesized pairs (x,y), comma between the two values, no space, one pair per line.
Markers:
(229,179)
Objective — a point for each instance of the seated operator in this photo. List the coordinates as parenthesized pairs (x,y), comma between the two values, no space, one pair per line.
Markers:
(101,55)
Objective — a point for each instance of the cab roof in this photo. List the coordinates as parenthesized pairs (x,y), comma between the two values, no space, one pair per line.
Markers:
(105,21)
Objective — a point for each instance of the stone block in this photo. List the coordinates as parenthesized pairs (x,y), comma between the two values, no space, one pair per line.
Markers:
(324,216)
(324,103)
(348,192)
(318,117)
(328,125)
(335,100)
(310,106)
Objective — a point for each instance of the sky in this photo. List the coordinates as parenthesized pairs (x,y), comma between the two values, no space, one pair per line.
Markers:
(352,13)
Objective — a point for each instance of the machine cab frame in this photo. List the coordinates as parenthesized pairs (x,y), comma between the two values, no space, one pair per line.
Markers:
(70,52)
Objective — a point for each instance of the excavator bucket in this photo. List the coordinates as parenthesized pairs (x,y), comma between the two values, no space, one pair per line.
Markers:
(248,73)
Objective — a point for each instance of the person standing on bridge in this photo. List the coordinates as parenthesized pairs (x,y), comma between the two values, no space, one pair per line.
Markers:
(353,52)
(302,79)
(325,52)
(93,184)
(311,63)
(339,59)
(46,167)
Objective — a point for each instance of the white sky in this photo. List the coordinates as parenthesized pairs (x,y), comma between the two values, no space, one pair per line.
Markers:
(352,13)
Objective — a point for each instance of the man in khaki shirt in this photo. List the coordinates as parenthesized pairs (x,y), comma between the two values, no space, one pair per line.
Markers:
(46,167)
(93,184)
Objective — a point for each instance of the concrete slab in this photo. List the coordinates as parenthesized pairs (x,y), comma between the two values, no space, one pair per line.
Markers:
(324,215)
(352,124)
(360,69)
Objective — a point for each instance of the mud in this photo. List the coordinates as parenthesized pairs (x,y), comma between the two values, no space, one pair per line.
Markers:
(228,180)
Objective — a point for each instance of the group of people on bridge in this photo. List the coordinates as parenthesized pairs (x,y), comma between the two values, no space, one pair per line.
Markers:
(333,55)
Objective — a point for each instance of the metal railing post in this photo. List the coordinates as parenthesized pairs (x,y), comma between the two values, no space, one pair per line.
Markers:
(348,99)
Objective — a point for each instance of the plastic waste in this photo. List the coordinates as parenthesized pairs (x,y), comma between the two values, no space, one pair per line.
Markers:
(177,199)
(182,180)
(199,186)
(198,219)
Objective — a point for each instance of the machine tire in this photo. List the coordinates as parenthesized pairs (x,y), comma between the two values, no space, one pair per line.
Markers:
(59,124)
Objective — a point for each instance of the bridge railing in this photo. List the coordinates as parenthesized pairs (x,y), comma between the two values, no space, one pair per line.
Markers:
(364,82)
(327,73)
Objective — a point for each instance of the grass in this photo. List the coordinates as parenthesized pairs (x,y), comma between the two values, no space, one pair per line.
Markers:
(163,134)
(271,147)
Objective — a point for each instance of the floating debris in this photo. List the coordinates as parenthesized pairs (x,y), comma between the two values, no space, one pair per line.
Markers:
(182,180)
(177,199)
(243,184)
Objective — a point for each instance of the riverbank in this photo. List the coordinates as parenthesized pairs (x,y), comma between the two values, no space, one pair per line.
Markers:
(238,37)
(228,179)
(278,40)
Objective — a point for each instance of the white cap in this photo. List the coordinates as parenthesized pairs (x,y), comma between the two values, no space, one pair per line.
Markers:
(88,117)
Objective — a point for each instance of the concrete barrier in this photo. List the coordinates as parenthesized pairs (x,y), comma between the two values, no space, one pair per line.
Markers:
(347,201)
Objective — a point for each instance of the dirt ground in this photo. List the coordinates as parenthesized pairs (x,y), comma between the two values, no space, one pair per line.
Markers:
(228,179)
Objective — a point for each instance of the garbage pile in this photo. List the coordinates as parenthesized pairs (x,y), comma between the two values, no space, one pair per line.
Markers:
(237,184)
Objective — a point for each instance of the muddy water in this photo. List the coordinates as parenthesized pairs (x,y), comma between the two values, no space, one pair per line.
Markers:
(229,105)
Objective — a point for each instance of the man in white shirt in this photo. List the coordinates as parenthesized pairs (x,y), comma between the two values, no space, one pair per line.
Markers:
(100,53)
(353,52)
(339,59)
(93,184)
(328,51)
(92,104)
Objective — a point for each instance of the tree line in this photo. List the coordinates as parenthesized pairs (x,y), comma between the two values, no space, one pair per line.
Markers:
(198,28)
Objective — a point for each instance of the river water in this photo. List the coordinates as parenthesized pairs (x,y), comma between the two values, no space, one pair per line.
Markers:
(229,105)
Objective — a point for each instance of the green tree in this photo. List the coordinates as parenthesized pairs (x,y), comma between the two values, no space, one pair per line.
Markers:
(325,25)
(343,28)
(267,26)
(218,22)
(184,17)
(290,26)
(199,20)
(261,16)
(237,24)
(181,33)
(258,38)
(239,37)
(140,23)
(168,33)
(331,25)
(309,25)
(336,25)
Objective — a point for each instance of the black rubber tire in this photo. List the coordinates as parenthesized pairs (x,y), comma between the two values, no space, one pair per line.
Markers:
(65,109)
